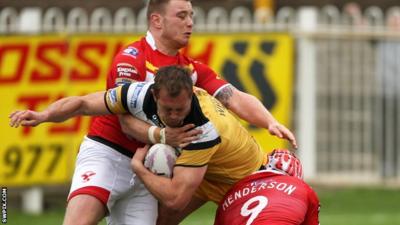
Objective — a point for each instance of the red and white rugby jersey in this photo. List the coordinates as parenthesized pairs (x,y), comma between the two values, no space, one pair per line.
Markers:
(138,62)
(269,198)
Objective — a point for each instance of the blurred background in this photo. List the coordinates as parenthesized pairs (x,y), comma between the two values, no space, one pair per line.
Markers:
(328,69)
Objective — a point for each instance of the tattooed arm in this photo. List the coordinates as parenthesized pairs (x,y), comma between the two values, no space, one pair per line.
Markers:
(249,108)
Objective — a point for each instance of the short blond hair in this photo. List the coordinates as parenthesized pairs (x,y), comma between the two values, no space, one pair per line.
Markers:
(157,6)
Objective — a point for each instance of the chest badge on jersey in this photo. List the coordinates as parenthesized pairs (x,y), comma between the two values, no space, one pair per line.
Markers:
(131,51)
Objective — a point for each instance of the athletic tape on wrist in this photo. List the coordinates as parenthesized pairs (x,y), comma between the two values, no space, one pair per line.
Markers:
(150,134)
(162,136)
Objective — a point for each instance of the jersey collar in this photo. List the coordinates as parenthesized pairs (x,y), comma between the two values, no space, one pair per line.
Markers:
(150,40)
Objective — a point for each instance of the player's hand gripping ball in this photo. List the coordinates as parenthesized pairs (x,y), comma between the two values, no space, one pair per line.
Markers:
(160,159)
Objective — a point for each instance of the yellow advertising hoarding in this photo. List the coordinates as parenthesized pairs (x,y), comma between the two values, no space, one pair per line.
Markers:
(37,70)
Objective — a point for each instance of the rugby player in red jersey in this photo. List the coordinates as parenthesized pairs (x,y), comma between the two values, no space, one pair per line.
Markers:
(274,196)
(103,183)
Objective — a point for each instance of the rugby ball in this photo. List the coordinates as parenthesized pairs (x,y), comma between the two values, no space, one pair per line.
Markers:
(160,159)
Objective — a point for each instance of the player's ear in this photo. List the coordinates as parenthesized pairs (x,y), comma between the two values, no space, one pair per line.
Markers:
(156,20)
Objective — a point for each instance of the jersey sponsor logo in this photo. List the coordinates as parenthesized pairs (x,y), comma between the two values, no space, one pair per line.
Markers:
(112,96)
(123,80)
(126,70)
(209,133)
(87,175)
(113,100)
(124,64)
(131,51)
(136,92)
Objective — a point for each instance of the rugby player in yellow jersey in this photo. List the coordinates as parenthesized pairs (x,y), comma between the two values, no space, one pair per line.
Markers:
(224,153)
(207,167)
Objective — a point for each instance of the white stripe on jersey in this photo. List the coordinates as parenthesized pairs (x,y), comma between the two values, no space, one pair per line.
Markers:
(149,77)
(135,99)
(194,77)
(209,133)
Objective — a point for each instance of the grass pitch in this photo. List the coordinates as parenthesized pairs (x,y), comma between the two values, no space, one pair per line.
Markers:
(350,206)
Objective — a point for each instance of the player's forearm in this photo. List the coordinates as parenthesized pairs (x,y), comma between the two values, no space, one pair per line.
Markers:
(64,109)
(162,188)
(136,128)
(250,109)
(253,111)
(61,110)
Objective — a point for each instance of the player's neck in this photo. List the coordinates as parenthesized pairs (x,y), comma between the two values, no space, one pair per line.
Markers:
(166,49)
(164,46)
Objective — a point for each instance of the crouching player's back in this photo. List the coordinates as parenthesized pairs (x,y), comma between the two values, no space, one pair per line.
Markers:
(275,196)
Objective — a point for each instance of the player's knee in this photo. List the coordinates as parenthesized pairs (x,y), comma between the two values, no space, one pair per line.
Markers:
(81,221)
(84,210)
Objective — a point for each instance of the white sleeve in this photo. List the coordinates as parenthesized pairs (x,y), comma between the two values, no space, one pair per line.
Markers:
(135,98)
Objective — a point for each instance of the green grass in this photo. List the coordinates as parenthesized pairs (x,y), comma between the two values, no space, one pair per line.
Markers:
(355,206)
(359,206)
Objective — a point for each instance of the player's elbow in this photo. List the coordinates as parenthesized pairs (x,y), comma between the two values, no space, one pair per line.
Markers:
(176,204)
(124,128)
(130,131)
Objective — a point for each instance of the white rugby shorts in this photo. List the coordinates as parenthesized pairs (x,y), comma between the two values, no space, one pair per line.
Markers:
(106,174)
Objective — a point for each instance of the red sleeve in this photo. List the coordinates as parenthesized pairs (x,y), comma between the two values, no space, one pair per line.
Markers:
(218,217)
(312,216)
(207,79)
(127,67)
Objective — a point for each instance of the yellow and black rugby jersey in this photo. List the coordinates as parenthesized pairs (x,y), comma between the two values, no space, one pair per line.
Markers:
(225,146)
(133,98)
(234,157)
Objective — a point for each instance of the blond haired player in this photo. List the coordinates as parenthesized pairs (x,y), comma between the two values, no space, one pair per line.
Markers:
(112,140)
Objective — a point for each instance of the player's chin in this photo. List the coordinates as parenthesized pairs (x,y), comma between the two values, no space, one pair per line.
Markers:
(183,42)
(174,124)
(187,35)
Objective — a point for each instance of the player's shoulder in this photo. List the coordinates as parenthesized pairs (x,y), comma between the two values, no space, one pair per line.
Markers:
(304,186)
(134,89)
(276,176)
(134,50)
(200,91)
(130,88)
(135,95)
(210,135)
(199,65)
(128,64)
(196,63)
(117,98)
